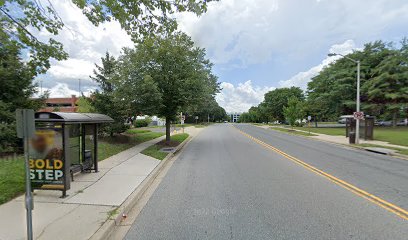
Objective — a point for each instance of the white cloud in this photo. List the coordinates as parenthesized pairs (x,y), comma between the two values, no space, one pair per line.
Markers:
(251,32)
(301,79)
(62,90)
(245,95)
(240,98)
(85,44)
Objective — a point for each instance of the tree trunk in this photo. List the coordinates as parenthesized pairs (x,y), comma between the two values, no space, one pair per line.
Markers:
(394,118)
(167,130)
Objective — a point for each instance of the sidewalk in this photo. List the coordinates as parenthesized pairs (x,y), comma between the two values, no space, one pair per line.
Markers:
(343,140)
(92,199)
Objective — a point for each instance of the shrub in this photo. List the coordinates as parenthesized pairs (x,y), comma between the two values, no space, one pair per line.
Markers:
(142,123)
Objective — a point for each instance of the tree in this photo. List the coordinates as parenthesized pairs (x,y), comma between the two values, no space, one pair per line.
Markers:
(104,100)
(139,18)
(17,87)
(84,105)
(294,111)
(389,86)
(208,110)
(333,91)
(180,73)
(277,99)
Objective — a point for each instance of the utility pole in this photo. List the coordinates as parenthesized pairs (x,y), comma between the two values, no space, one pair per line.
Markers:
(25,128)
(358,93)
(79,87)
(358,104)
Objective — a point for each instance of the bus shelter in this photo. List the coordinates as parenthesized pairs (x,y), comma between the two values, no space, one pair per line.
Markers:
(64,144)
(366,127)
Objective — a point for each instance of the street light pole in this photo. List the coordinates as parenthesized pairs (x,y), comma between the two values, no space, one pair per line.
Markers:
(358,104)
(358,92)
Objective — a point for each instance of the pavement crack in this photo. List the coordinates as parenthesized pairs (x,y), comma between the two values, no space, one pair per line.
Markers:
(56,220)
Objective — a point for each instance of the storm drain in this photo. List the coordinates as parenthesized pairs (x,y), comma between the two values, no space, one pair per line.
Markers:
(168,149)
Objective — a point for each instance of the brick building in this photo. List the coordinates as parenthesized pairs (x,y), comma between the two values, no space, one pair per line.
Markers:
(60,104)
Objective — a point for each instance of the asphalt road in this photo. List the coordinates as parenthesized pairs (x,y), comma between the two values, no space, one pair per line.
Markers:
(226,186)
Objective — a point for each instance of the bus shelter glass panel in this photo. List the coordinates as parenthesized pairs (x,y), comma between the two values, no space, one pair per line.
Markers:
(89,146)
(74,144)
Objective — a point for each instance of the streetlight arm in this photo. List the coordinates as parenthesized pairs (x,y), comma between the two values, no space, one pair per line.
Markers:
(338,54)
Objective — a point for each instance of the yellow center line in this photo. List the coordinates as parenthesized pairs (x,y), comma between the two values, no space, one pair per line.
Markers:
(370,197)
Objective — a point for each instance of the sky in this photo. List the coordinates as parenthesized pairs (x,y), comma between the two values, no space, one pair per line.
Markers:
(256,45)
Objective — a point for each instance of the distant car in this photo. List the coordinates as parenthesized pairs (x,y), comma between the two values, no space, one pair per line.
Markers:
(225,121)
(384,123)
(342,120)
(403,122)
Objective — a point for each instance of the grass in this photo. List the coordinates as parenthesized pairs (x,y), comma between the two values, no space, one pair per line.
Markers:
(12,179)
(135,131)
(144,137)
(112,213)
(323,123)
(327,131)
(397,136)
(113,145)
(290,131)
(154,150)
(107,149)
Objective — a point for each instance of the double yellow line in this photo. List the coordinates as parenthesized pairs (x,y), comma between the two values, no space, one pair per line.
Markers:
(370,197)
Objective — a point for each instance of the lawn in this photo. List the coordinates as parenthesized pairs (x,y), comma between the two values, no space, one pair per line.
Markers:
(135,131)
(154,150)
(397,136)
(12,180)
(328,131)
(290,131)
(12,170)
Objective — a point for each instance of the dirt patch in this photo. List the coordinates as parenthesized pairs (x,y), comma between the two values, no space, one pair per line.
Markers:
(163,143)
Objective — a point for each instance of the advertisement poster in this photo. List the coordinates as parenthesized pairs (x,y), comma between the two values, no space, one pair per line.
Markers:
(46,158)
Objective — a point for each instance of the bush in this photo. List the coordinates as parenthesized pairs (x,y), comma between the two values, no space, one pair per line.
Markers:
(142,123)
(114,128)
(8,138)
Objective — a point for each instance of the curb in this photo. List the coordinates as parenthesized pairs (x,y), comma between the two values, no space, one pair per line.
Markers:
(108,227)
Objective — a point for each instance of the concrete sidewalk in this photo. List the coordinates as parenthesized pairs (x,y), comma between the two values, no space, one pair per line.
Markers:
(92,199)
(342,139)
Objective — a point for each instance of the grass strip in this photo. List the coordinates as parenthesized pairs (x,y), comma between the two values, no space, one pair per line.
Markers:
(154,150)
(294,132)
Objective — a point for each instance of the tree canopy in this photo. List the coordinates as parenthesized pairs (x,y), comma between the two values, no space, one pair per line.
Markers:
(332,93)
(162,76)
(140,19)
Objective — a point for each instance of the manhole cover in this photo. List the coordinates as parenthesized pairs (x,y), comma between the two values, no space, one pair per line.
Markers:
(168,149)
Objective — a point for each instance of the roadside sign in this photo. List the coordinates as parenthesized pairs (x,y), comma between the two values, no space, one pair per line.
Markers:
(196,117)
(183,118)
(25,123)
(25,127)
(309,118)
(358,115)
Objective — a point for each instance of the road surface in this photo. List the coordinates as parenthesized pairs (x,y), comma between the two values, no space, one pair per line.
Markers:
(226,185)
